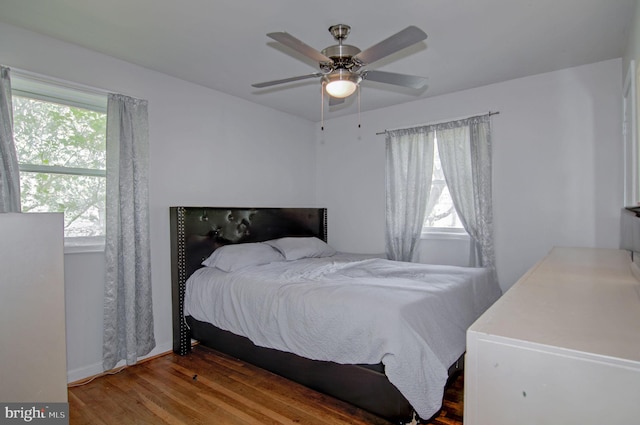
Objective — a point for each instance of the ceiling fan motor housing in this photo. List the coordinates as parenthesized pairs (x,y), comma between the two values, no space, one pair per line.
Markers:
(342,55)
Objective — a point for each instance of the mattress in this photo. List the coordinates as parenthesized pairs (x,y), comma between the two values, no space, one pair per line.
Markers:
(348,309)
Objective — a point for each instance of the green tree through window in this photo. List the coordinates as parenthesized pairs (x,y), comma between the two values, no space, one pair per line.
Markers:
(62,157)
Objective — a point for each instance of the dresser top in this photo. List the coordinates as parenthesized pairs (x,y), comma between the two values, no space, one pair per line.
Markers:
(581,299)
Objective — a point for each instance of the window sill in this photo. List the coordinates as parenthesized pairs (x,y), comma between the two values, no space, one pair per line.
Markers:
(83,245)
(445,234)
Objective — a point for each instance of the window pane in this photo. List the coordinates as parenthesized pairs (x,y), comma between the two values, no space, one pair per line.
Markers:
(81,198)
(443,213)
(440,211)
(58,135)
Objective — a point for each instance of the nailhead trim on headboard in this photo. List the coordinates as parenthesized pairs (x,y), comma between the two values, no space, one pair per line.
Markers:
(184,346)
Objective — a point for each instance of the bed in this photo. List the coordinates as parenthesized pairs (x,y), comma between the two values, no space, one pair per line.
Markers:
(291,317)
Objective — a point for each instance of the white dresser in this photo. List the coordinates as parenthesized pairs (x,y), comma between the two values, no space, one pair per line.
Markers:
(33,354)
(562,346)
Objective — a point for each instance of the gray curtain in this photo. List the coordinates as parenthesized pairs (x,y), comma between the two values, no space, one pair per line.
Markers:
(409,169)
(465,155)
(128,314)
(9,172)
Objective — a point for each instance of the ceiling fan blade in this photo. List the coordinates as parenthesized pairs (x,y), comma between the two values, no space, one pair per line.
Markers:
(286,80)
(396,42)
(299,46)
(405,80)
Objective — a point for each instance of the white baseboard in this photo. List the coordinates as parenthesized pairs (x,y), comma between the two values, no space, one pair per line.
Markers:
(89,371)
(84,372)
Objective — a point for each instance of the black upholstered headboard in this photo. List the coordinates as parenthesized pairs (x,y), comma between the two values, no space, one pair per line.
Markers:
(197,231)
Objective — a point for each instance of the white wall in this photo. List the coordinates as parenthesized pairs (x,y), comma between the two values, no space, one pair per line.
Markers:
(206,148)
(557,164)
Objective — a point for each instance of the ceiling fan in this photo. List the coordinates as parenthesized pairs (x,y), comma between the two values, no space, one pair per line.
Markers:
(342,66)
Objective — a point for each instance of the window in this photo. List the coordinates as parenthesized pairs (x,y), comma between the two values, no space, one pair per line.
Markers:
(440,216)
(60,136)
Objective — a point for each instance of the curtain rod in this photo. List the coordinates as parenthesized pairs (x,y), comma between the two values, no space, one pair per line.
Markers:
(21,73)
(439,122)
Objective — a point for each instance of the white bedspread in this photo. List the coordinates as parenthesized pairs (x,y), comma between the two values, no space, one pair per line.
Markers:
(411,317)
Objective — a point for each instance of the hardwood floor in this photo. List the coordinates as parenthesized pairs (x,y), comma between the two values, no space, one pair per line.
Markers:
(206,387)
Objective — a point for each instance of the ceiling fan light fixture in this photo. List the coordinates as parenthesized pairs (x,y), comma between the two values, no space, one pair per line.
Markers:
(341,84)
(341,88)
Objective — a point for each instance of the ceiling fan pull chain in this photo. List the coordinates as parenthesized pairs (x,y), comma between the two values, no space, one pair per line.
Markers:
(359,120)
(322,106)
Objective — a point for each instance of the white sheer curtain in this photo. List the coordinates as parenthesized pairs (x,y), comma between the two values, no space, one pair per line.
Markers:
(409,169)
(128,314)
(9,172)
(465,155)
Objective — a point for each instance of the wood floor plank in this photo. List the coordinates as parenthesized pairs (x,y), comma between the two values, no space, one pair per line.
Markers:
(199,387)
(180,394)
(124,402)
(111,404)
(83,415)
(206,387)
(163,404)
(244,398)
(261,389)
(255,396)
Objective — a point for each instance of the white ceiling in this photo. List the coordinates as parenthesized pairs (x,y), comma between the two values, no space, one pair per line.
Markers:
(223,44)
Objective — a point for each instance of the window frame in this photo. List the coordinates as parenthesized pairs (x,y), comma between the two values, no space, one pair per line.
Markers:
(69,94)
(449,233)
(436,232)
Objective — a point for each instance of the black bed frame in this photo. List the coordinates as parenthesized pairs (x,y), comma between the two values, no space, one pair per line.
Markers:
(196,232)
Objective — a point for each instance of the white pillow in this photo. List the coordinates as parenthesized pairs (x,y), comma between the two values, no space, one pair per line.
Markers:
(294,248)
(237,256)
